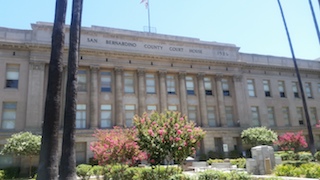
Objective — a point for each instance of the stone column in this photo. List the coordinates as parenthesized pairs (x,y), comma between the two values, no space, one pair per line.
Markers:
(202,101)
(141,91)
(119,97)
(240,99)
(163,91)
(35,102)
(94,97)
(183,93)
(220,98)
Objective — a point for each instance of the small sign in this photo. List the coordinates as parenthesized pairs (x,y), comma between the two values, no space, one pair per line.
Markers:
(225,148)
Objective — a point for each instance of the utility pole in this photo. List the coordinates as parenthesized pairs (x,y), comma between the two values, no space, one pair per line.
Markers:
(311,139)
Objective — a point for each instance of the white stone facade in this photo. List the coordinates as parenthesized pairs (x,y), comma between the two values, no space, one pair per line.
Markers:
(127,72)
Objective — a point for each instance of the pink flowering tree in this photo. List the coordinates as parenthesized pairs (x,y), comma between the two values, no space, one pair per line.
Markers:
(291,141)
(318,124)
(167,136)
(116,146)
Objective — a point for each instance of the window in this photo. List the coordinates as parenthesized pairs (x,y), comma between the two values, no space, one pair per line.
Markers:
(255,116)
(151,84)
(229,116)
(128,83)
(172,108)
(81,152)
(211,116)
(81,116)
(5,160)
(225,87)
(313,115)
(129,113)
(251,89)
(318,87)
(300,115)
(105,118)
(271,118)
(82,80)
(105,81)
(190,85)
(171,89)
(151,108)
(12,76)
(295,89)
(192,113)
(285,113)
(9,115)
(308,90)
(266,88)
(207,86)
(281,89)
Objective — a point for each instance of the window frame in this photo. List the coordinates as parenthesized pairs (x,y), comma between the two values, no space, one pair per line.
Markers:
(128,82)
(105,86)
(82,80)
(9,109)
(251,88)
(171,84)
(12,76)
(81,109)
(151,89)
(105,109)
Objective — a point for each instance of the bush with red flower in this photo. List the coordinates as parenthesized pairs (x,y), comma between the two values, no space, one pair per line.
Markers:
(167,136)
(116,146)
(291,141)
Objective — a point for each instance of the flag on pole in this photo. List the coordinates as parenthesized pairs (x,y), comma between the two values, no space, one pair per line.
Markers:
(146,2)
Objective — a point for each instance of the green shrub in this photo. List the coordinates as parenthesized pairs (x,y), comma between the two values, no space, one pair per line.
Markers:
(211,175)
(115,172)
(287,155)
(238,175)
(11,172)
(82,170)
(234,154)
(97,170)
(284,170)
(215,155)
(305,156)
(159,172)
(1,174)
(210,161)
(294,163)
(240,162)
(311,170)
(93,161)
(317,155)
(180,177)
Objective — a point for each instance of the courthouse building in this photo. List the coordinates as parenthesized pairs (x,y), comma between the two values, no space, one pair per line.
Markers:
(123,73)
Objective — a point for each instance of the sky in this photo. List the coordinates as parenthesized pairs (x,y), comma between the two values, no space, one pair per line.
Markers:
(253,25)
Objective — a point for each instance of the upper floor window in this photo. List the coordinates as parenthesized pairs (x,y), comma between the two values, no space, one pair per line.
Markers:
(128,83)
(286,117)
(192,113)
(255,116)
(12,76)
(313,116)
(229,116)
(281,89)
(105,81)
(295,89)
(266,88)
(308,90)
(251,89)
(190,85)
(105,116)
(150,83)
(129,113)
(271,116)
(171,89)
(151,108)
(225,87)
(211,116)
(173,108)
(300,115)
(208,86)
(80,150)
(81,116)
(82,80)
(9,115)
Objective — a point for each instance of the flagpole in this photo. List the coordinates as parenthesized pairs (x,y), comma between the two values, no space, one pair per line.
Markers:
(315,20)
(149,26)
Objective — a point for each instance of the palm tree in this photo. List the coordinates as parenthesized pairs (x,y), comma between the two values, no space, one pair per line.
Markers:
(48,163)
(67,162)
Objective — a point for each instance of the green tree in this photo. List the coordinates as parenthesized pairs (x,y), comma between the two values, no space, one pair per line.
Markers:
(167,136)
(23,144)
(258,136)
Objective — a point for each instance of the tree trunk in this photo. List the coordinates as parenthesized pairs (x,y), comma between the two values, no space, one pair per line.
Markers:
(48,161)
(68,163)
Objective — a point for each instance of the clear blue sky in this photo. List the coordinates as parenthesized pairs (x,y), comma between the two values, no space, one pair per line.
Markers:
(253,25)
